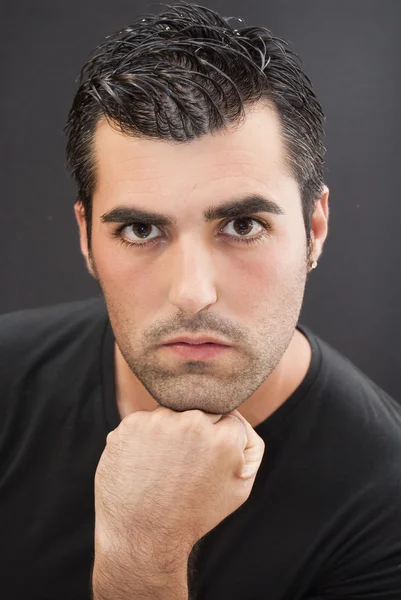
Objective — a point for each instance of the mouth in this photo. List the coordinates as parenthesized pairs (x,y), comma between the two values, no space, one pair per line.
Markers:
(205,351)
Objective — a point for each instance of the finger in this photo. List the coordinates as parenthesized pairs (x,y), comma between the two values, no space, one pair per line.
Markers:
(212,417)
(110,435)
(254,448)
(237,428)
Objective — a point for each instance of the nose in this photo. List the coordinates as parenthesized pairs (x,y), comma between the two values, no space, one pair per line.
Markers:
(192,276)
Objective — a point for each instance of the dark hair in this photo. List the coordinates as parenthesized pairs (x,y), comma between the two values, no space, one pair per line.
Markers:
(185,73)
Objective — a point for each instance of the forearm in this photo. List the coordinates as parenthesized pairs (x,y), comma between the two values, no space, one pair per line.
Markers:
(117,577)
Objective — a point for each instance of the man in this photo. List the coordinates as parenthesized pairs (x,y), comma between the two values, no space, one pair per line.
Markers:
(182,435)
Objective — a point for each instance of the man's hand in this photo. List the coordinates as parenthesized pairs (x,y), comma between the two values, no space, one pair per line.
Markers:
(165,479)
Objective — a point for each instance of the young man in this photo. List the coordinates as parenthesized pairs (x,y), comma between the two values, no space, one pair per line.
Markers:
(182,435)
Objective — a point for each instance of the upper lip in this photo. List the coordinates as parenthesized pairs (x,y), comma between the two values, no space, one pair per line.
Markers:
(199,340)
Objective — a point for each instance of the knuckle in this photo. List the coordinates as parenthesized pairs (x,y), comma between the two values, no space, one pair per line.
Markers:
(111,438)
(193,419)
(132,421)
(261,445)
(194,414)
(226,439)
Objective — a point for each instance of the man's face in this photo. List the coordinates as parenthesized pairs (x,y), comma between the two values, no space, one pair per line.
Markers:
(199,277)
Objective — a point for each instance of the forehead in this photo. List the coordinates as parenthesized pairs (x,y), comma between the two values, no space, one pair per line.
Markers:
(249,157)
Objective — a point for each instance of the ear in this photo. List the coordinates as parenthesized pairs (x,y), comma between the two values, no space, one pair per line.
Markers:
(83,237)
(319,224)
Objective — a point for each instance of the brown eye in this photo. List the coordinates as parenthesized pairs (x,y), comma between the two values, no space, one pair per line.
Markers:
(138,231)
(131,235)
(244,226)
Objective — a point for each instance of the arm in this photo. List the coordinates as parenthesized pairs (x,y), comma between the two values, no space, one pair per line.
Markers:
(129,577)
(150,513)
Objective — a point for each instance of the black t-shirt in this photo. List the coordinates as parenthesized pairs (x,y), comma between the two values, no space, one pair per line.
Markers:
(323,520)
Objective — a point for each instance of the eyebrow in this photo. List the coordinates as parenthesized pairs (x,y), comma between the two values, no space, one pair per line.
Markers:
(234,208)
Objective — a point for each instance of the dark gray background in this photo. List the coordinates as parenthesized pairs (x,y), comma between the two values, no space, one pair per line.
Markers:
(350,49)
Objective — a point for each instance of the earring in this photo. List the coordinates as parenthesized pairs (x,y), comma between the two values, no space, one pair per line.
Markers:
(314,265)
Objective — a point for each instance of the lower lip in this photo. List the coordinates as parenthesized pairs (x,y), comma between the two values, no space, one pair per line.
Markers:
(196,351)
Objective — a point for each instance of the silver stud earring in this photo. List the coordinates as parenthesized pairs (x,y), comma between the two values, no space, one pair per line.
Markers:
(314,265)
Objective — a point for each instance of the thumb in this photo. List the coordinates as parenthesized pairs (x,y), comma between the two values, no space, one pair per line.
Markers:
(253,451)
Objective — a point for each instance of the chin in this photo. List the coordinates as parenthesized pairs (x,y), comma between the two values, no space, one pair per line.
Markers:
(208,406)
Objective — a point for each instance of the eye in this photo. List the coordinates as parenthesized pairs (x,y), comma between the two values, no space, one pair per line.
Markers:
(138,230)
(132,234)
(243,227)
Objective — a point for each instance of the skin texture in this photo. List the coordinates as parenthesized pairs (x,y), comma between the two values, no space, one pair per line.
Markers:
(197,280)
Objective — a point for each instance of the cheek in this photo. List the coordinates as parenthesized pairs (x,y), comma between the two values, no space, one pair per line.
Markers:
(123,276)
(136,284)
(245,282)
(248,283)
(266,280)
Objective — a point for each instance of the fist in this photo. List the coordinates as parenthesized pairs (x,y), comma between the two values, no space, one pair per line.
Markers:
(173,476)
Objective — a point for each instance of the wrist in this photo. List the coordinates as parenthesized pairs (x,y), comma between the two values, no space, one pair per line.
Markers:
(140,570)
(113,541)
(129,577)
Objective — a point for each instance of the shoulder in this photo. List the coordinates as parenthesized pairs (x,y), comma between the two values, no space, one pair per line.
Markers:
(356,426)
(351,401)
(26,324)
(31,337)
(50,313)
(353,428)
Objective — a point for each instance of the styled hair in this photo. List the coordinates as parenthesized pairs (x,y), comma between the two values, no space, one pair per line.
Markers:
(184,73)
